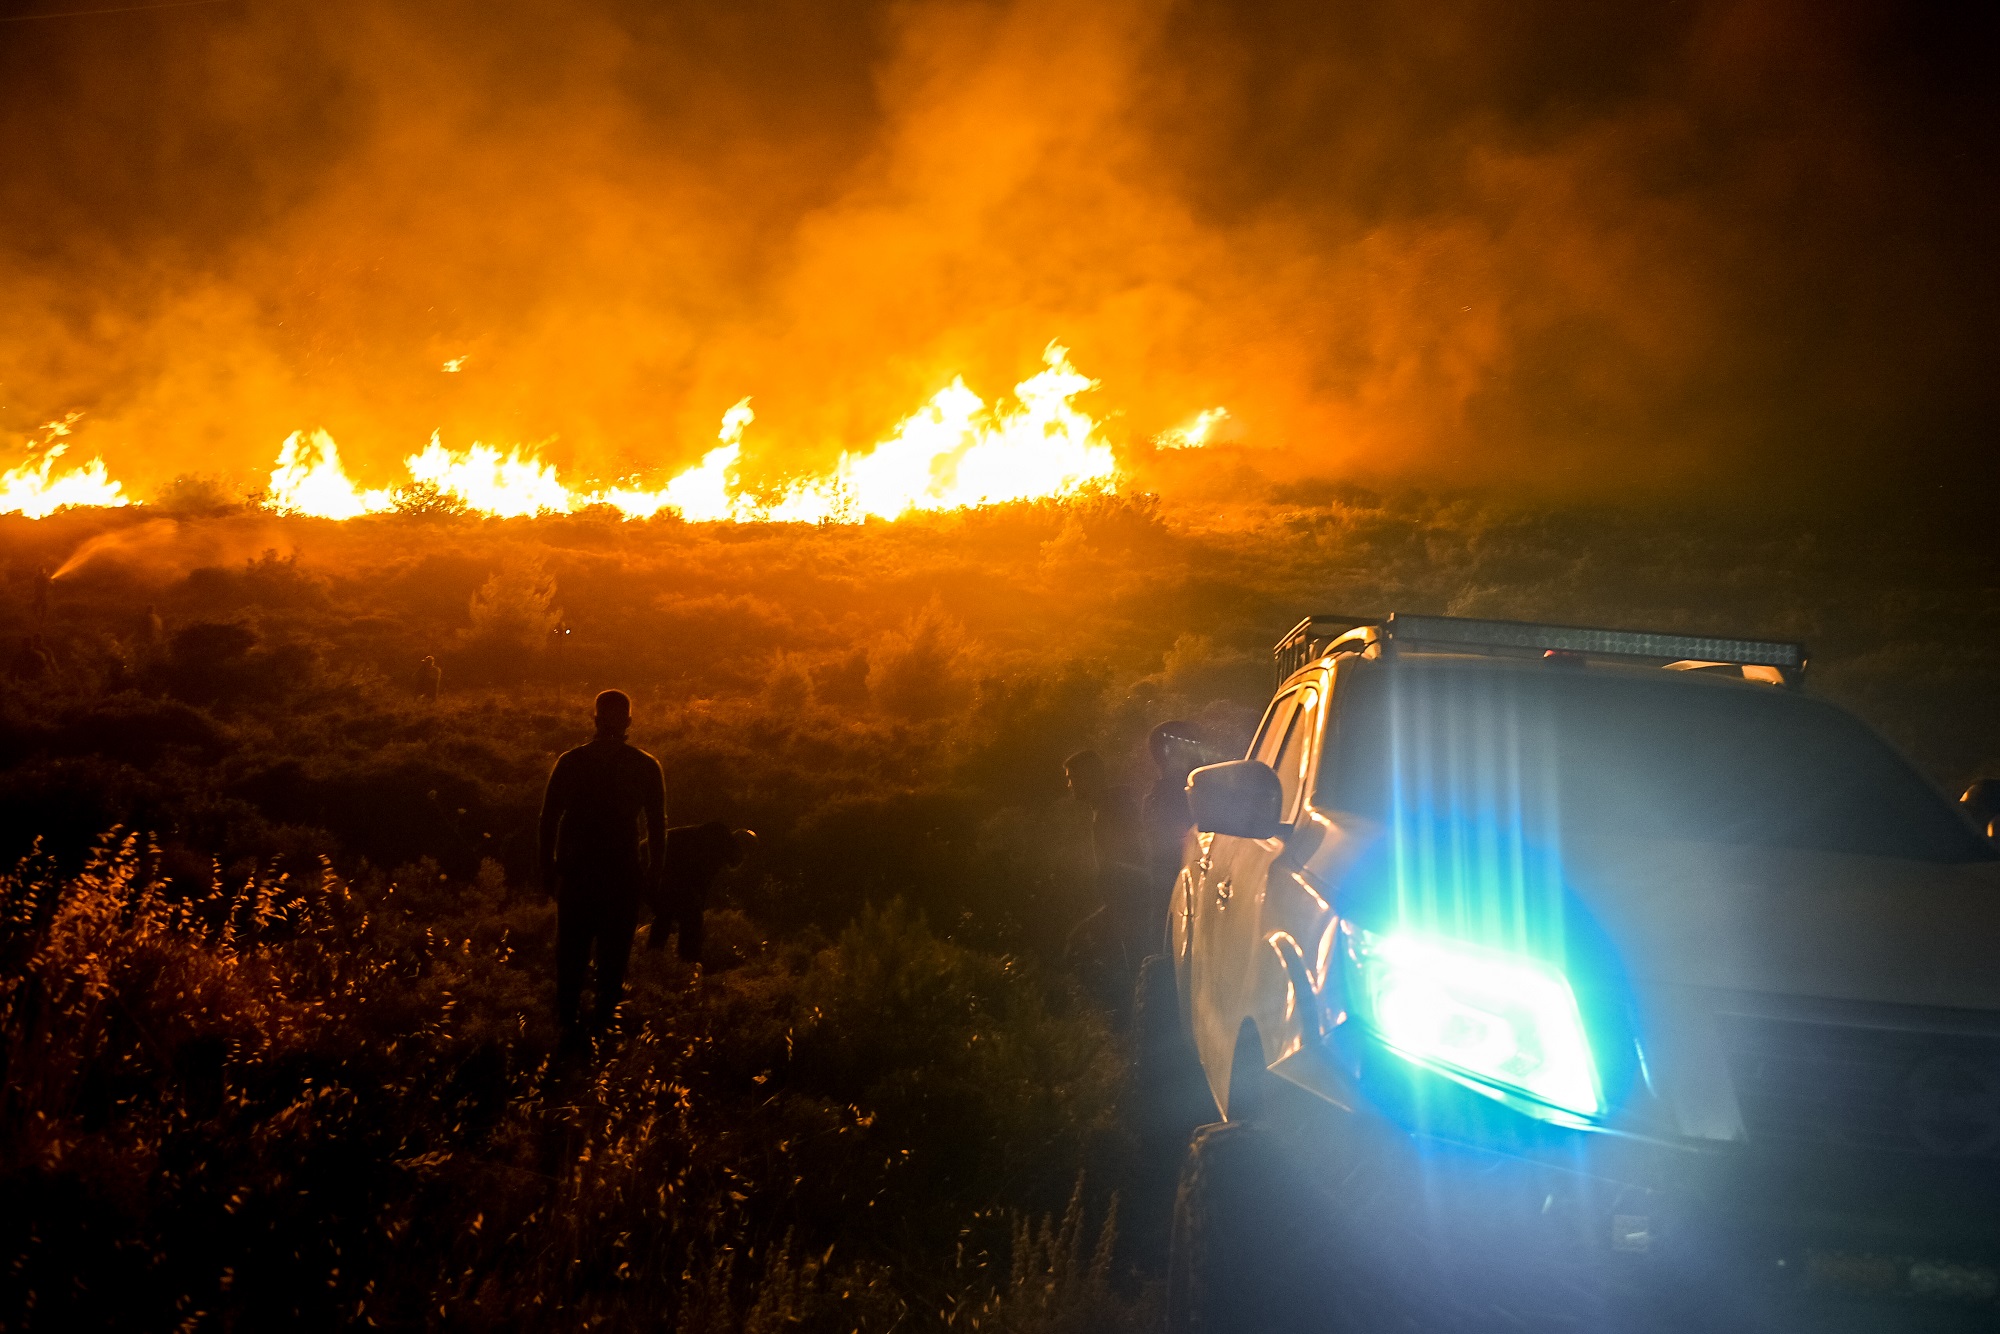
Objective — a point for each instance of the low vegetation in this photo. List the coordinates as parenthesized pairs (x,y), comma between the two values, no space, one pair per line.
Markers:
(275,970)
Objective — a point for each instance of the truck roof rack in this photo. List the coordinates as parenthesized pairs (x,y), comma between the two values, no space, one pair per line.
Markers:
(1310,637)
(1758,659)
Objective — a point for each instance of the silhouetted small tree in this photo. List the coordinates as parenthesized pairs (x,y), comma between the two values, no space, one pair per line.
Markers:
(919,670)
(427,500)
(512,614)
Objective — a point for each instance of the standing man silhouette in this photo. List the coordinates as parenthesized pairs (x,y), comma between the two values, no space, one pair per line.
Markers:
(1165,821)
(1102,941)
(429,677)
(598,860)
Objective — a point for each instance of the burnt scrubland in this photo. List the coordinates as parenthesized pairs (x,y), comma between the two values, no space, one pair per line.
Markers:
(276,975)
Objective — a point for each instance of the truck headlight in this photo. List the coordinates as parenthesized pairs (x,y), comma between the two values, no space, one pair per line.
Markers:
(1491,1017)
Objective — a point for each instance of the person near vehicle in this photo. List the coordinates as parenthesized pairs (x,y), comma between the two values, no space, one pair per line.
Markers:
(603,837)
(696,855)
(1103,938)
(1165,820)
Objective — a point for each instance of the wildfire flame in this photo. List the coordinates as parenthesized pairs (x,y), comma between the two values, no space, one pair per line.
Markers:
(702,493)
(956,451)
(309,480)
(36,490)
(1193,434)
(481,479)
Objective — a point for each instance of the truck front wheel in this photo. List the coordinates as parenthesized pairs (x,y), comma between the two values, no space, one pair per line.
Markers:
(1238,1257)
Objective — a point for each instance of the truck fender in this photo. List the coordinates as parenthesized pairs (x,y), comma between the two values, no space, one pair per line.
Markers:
(1304,1056)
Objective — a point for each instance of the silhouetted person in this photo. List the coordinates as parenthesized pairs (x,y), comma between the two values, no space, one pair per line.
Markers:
(603,833)
(1118,869)
(1165,820)
(429,677)
(33,661)
(696,855)
(152,630)
(44,582)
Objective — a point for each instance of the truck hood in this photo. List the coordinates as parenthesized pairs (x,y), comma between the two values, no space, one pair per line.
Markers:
(1708,931)
(1784,922)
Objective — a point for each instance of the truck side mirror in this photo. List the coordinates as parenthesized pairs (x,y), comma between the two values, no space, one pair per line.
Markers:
(1982,803)
(1240,798)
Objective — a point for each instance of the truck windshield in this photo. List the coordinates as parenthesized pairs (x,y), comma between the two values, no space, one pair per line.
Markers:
(1602,754)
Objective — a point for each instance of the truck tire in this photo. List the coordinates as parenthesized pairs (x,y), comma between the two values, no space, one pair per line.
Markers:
(1237,1256)
(1260,1244)
(1164,1099)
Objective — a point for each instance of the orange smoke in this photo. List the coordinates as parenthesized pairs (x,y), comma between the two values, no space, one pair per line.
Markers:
(1602,248)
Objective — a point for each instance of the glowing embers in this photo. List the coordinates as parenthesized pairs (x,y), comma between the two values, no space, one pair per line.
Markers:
(1498,1018)
(38,490)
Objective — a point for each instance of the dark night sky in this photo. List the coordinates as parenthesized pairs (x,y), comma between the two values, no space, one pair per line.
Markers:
(1734,249)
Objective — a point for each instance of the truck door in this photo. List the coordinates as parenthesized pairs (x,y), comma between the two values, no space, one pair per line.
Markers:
(1209,981)
(1229,954)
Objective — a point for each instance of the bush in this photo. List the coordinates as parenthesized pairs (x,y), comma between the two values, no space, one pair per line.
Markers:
(918,670)
(512,616)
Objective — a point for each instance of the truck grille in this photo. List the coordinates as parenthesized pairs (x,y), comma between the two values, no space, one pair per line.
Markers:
(1884,1089)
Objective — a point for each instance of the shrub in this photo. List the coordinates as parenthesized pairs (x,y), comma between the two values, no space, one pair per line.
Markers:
(512,616)
(196,495)
(919,670)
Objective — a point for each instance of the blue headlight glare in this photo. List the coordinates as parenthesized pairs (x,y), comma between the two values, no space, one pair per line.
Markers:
(1496,1018)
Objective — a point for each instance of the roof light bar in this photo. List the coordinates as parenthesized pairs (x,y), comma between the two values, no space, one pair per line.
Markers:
(1458,632)
(1309,638)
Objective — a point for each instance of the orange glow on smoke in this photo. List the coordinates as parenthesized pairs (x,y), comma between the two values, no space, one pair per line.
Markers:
(957,451)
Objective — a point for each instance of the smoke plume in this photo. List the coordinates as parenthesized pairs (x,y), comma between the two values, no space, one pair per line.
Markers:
(1563,247)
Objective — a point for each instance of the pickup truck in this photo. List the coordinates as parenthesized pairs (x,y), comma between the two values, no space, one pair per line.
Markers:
(1548,976)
